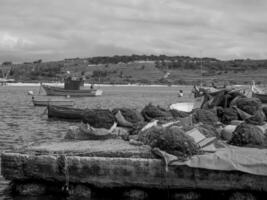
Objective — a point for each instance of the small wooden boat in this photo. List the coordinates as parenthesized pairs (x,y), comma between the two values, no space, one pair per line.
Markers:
(56,102)
(63,112)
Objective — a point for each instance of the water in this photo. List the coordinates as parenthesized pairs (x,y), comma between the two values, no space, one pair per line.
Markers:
(22,124)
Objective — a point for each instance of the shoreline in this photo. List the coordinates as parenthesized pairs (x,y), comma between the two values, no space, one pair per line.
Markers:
(19,84)
(99,85)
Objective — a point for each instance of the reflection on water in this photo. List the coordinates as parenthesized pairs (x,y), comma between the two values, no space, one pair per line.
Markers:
(22,124)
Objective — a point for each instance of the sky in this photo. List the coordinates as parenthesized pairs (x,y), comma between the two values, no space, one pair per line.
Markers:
(58,29)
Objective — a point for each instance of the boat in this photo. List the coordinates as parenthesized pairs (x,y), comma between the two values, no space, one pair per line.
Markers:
(182,106)
(64,112)
(72,88)
(58,91)
(258,93)
(56,102)
(262,97)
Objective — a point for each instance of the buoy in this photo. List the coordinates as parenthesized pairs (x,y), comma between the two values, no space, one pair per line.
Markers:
(30,92)
(68,96)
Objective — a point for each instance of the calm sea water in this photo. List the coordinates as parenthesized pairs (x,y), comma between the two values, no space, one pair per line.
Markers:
(22,124)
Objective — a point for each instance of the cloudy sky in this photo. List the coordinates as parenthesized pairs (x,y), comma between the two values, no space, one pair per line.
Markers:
(58,29)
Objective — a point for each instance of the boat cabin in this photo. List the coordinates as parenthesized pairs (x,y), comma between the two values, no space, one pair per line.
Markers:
(73,83)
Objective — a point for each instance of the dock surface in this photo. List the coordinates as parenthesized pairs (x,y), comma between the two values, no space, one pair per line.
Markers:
(116,163)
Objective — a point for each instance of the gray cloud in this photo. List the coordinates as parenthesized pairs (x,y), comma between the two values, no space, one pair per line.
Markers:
(56,29)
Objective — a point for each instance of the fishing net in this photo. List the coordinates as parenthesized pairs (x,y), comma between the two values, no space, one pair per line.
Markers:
(179,113)
(218,99)
(242,114)
(249,105)
(257,119)
(247,134)
(172,139)
(99,118)
(208,130)
(131,115)
(155,112)
(205,117)
(226,115)
(137,128)
(122,121)
(86,132)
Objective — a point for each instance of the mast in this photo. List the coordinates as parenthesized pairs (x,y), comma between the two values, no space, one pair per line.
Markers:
(201,72)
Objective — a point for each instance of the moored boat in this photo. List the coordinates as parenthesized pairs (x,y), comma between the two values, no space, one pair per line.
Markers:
(63,112)
(56,102)
(72,87)
(58,91)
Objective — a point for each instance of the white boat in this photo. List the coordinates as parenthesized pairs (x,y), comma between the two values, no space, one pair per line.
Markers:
(73,87)
(182,106)
(59,91)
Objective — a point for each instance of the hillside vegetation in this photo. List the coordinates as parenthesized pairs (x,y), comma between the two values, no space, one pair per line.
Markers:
(143,69)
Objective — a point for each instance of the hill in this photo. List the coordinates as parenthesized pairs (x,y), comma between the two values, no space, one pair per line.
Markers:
(143,69)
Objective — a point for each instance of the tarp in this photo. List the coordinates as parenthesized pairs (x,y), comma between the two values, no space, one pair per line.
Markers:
(228,158)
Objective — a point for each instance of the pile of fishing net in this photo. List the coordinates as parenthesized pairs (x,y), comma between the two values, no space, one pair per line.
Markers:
(179,113)
(249,105)
(226,115)
(257,119)
(250,110)
(222,98)
(99,118)
(205,116)
(218,99)
(171,139)
(247,134)
(150,112)
(208,130)
(134,130)
(130,115)
(87,132)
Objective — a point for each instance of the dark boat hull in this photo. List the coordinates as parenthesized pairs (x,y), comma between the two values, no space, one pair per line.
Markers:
(62,112)
(58,91)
